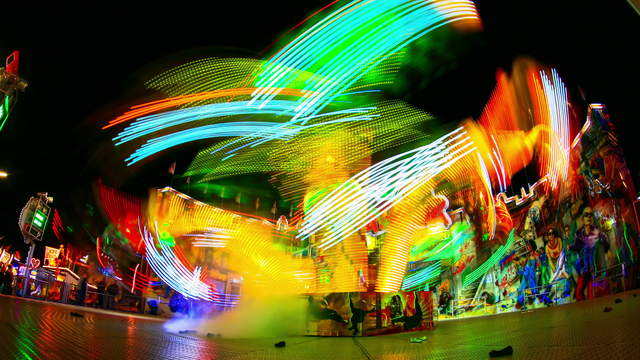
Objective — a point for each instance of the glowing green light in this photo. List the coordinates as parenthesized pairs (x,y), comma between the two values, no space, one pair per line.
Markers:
(167,239)
(497,255)
(39,219)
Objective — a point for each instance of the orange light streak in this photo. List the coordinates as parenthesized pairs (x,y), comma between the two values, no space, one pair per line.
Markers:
(153,106)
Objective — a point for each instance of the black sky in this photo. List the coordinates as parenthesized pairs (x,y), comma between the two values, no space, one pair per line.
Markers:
(82,63)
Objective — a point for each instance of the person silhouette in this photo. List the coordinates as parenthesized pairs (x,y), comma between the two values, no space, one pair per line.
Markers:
(321,311)
(358,315)
(411,321)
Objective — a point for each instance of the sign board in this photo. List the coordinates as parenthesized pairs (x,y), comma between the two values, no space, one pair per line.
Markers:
(34,217)
(5,257)
(51,255)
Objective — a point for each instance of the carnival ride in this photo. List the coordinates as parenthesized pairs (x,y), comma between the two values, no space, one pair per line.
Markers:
(311,117)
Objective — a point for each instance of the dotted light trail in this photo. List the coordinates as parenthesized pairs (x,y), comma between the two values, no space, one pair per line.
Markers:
(370,193)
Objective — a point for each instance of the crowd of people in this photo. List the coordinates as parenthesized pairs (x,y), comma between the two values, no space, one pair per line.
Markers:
(97,291)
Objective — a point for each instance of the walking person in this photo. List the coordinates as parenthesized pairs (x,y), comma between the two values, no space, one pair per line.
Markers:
(82,290)
(7,281)
(112,291)
(101,289)
(3,279)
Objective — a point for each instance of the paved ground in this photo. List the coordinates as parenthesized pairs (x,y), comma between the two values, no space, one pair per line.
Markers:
(37,330)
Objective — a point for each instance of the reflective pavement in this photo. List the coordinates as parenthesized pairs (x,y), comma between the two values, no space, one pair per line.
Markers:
(37,330)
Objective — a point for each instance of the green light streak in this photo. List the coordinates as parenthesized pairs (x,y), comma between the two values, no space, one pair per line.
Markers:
(4,112)
(348,43)
(24,342)
(491,261)
(446,246)
(626,239)
(422,278)
(39,219)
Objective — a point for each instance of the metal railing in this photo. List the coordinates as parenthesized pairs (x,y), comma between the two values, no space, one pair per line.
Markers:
(613,275)
(66,293)
(121,302)
(459,306)
(610,280)
(550,291)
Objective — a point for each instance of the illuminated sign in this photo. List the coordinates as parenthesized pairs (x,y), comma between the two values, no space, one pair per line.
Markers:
(50,255)
(39,219)
(5,257)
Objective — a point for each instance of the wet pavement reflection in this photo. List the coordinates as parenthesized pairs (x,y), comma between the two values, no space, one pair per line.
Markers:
(38,330)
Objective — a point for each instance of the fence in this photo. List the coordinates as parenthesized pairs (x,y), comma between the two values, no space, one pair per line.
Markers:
(459,306)
(610,280)
(49,289)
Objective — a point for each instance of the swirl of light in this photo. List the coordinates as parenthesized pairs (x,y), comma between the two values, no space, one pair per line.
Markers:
(361,130)
(166,264)
(320,65)
(339,49)
(247,128)
(348,207)
(153,123)
(138,111)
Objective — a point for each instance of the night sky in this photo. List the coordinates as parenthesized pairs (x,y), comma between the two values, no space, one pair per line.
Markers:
(84,65)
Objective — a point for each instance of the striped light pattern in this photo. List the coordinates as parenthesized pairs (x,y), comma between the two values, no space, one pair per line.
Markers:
(56,225)
(503,121)
(554,95)
(153,123)
(213,238)
(420,278)
(417,208)
(230,129)
(487,196)
(326,64)
(205,75)
(311,116)
(138,111)
(533,99)
(339,49)
(200,82)
(138,281)
(258,132)
(388,124)
(123,211)
(370,193)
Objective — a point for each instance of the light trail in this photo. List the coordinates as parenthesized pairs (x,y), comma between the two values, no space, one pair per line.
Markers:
(339,49)
(374,190)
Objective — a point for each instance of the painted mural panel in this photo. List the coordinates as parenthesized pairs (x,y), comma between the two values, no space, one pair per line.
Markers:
(369,313)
